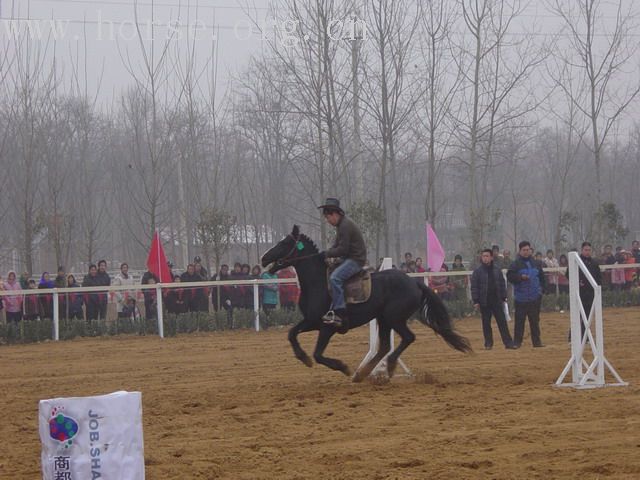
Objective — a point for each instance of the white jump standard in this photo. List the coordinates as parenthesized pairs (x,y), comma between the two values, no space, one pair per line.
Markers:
(583,373)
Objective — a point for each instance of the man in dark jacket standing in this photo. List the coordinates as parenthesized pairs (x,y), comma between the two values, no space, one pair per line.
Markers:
(586,290)
(103,279)
(489,292)
(191,297)
(528,281)
(61,282)
(61,278)
(92,300)
(349,245)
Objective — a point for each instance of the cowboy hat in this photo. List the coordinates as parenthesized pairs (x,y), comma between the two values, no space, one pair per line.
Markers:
(332,204)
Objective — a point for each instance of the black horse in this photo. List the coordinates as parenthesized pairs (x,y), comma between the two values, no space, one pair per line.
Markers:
(394,298)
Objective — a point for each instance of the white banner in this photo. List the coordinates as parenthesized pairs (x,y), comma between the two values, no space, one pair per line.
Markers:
(92,437)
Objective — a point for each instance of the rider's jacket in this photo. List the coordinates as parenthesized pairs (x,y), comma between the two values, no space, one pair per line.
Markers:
(348,243)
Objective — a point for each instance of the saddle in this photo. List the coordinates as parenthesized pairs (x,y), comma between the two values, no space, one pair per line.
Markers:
(357,289)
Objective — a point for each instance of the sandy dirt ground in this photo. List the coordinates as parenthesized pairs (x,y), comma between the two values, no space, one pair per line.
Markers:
(238,405)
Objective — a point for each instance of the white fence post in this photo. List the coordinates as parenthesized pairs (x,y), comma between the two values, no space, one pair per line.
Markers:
(256,305)
(159,311)
(56,316)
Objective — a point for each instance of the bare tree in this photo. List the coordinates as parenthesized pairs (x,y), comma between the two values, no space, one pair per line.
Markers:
(439,89)
(190,138)
(603,53)
(629,178)
(272,134)
(152,131)
(389,96)
(213,230)
(7,59)
(495,100)
(93,190)
(58,214)
(31,83)
(311,61)
(197,136)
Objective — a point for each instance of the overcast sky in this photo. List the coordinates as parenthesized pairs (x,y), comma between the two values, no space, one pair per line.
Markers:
(110,34)
(111,42)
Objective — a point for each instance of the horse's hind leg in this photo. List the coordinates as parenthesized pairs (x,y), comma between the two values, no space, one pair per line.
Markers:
(384,345)
(297,349)
(323,340)
(406,338)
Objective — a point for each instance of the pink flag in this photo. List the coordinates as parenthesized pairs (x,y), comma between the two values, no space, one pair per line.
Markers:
(435,252)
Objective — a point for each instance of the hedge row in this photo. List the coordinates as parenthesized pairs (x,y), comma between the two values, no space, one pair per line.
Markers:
(31,331)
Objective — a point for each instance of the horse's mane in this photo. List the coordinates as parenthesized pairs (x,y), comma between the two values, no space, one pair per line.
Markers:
(308,242)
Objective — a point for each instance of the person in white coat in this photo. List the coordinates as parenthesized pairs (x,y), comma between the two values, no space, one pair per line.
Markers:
(122,296)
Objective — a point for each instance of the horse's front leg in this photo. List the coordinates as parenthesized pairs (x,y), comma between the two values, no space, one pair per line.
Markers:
(326,332)
(300,354)
(384,346)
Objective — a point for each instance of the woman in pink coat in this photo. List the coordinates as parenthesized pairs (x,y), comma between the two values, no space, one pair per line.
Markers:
(13,303)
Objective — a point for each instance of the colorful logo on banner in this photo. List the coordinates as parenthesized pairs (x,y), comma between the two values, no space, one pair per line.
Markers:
(62,428)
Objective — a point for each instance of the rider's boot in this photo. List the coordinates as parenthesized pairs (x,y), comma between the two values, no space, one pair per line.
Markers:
(337,318)
(329,318)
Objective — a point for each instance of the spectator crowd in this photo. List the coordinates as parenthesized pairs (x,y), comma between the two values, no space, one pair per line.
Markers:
(454,287)
(92,305)
(229,297)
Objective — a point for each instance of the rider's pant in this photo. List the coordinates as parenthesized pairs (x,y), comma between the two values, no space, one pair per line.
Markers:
(346,270)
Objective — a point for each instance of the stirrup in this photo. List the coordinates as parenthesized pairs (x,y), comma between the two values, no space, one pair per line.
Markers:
(330,318)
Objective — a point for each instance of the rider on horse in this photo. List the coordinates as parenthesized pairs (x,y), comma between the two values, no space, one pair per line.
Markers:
(348,246)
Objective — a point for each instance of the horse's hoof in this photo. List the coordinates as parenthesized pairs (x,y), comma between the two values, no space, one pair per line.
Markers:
(307,361)
(391,368)
(357,378)
(347,371)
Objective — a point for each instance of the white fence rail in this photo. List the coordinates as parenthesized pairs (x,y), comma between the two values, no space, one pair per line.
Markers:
(254,283)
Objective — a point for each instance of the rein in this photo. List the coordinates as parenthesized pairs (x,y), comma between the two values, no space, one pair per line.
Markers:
(295,259)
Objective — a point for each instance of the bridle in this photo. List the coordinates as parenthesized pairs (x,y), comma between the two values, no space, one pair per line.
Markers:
(288,259)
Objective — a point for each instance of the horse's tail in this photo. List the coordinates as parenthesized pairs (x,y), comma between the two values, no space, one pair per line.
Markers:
(434,314)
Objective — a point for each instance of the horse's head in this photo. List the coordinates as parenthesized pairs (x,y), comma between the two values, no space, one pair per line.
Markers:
(286,251)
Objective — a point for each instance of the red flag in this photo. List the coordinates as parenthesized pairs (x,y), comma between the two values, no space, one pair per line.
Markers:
(157,261)
(435,252)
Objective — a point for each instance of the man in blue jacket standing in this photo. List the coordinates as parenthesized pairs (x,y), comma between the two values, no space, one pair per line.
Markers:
(489,292)
(527,278)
